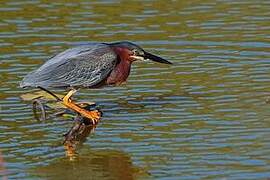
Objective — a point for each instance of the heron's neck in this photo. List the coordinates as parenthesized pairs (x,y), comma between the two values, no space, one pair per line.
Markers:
(120,73)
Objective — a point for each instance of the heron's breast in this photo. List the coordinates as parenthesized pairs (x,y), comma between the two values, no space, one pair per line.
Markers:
(120,73)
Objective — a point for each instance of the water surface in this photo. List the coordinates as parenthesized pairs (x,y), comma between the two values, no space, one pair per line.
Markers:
(205,117)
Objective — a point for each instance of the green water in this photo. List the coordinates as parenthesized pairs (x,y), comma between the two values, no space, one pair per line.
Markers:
(205,117)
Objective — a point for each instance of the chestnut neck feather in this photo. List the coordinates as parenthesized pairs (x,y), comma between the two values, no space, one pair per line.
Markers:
(121,72)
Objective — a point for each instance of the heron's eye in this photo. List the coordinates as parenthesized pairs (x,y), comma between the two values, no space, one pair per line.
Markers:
(135,52)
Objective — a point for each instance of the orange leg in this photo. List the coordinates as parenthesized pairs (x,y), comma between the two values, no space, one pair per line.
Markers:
(94,115)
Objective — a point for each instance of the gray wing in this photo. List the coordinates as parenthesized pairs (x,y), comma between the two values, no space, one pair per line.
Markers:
(82,66)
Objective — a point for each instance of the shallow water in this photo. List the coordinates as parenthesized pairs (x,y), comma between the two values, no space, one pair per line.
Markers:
(205,117)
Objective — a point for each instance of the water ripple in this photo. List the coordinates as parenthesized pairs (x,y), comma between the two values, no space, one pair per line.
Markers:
(204,117)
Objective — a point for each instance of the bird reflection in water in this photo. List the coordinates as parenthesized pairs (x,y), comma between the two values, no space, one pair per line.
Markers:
(101,164)
(79,132)
(92,164)
(77,135)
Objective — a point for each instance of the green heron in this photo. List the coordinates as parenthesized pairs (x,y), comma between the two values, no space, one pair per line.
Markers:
(89,66)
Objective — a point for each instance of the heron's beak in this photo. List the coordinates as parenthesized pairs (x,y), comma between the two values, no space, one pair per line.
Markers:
(138,58)
(149,56)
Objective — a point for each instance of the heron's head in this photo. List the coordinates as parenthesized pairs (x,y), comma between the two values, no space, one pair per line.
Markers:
(135,53)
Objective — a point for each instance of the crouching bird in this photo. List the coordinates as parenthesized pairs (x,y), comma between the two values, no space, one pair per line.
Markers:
(88,66)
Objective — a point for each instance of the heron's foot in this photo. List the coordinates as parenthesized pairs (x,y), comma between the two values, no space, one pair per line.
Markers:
(93,115)
(67,97)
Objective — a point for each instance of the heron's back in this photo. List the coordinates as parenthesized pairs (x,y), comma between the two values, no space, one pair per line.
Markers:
(82,66)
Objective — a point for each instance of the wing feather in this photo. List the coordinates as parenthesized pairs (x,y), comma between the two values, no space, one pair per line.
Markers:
(84,66)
